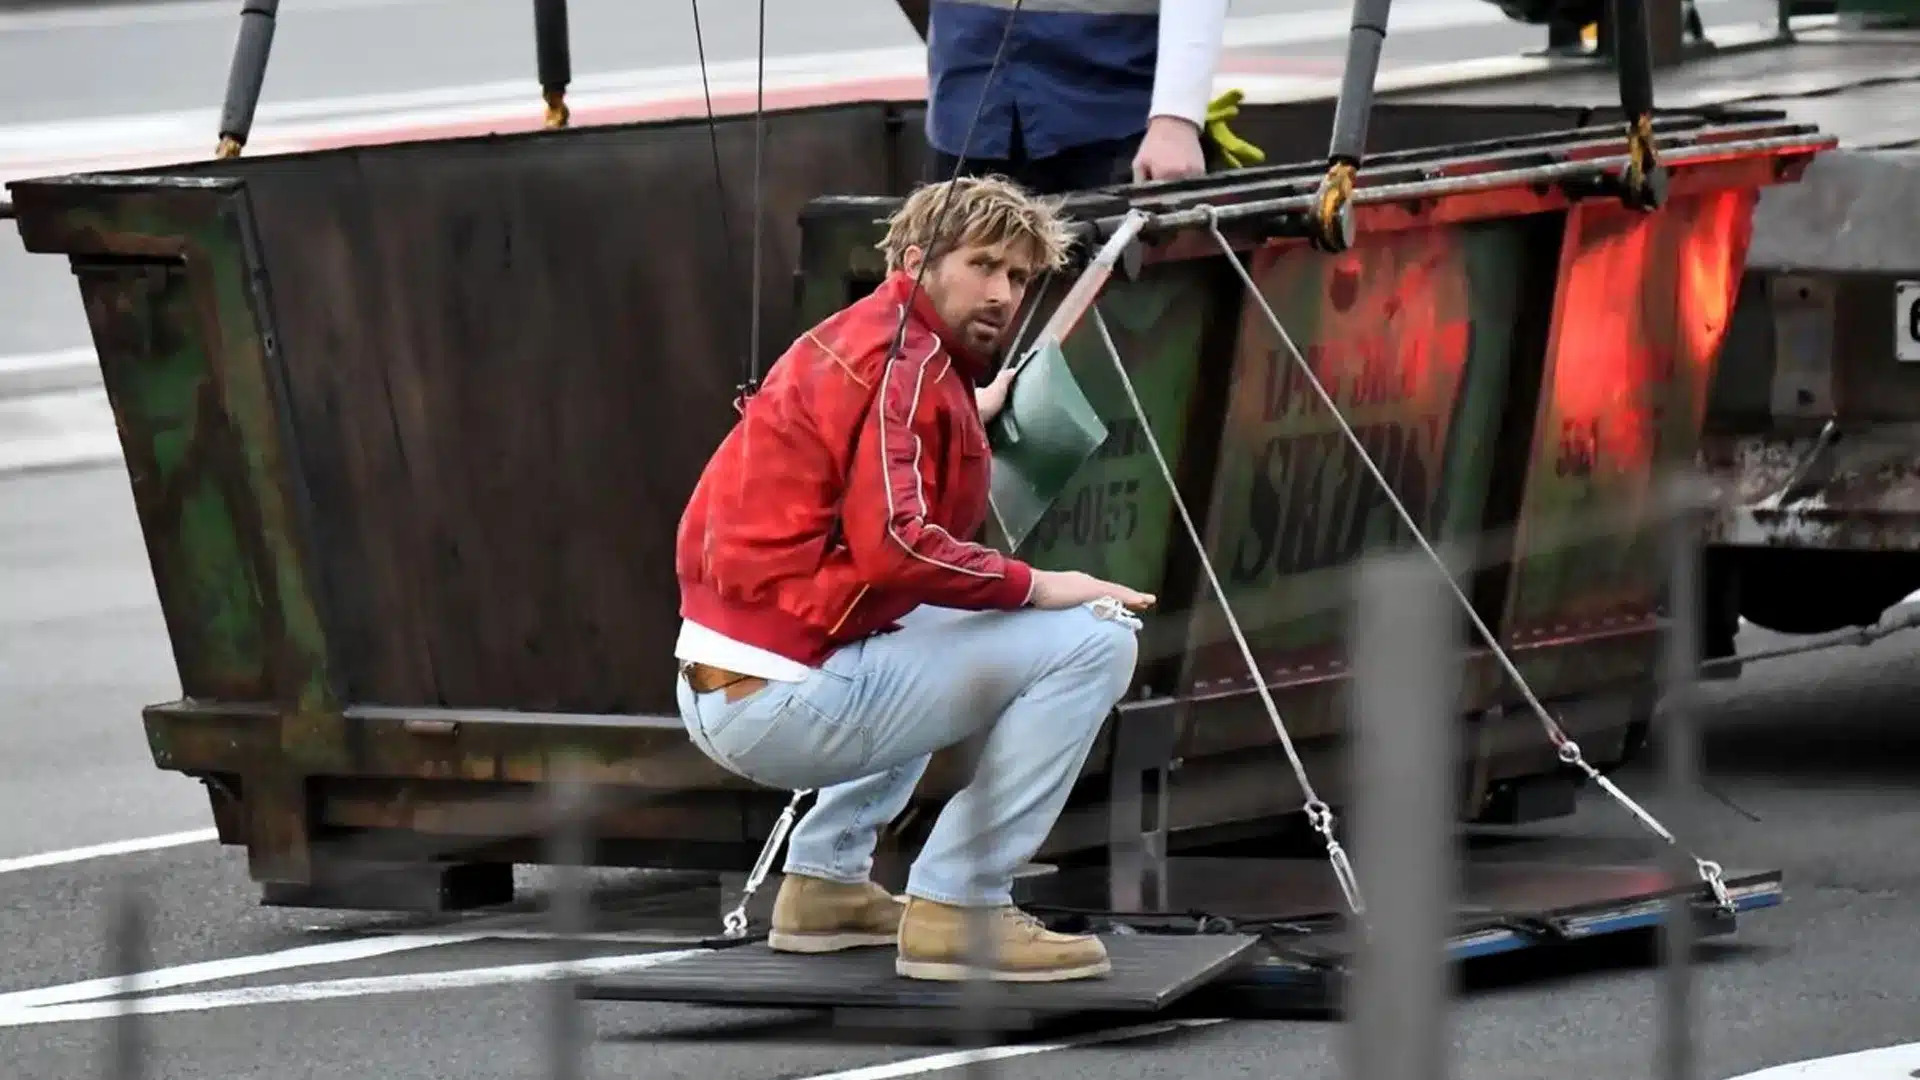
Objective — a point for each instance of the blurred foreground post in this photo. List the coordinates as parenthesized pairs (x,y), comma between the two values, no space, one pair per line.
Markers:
(569,849)
(1679,740)
(976,1017)
(127,961)
(1404,774)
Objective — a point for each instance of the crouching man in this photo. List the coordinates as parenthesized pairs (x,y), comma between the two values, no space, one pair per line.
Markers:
(839,629)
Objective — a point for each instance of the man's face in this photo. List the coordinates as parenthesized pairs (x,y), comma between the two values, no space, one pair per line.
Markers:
(977,290)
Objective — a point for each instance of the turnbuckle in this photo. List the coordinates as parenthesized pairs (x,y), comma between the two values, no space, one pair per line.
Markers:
(1320,817)
(735,922)
(1713,875)
(1710,872)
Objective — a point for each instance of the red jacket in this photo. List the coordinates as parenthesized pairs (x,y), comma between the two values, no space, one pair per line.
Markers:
(837,502)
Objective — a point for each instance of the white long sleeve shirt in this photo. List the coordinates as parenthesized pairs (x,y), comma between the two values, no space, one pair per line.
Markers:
(1191,40)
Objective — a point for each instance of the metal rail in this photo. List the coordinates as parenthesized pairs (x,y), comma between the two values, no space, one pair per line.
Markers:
(1301,205)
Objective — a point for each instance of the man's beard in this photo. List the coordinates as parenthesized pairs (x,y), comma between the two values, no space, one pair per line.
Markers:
(975,327)
(984,334)
(986,339)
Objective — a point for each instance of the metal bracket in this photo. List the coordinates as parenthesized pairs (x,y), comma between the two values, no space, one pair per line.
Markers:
(1144,738)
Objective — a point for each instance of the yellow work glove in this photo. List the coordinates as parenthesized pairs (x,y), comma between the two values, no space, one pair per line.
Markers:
(1236,151)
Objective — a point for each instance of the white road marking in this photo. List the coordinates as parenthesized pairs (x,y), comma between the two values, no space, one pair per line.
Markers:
(34,374)
(1886,1063)
(56,360)
(55,429)
(958,1059)
(236,967)
(288,993)
(99,851)
(73,146)
(136,14)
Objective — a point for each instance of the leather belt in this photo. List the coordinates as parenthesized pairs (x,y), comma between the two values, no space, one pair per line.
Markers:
(705,679)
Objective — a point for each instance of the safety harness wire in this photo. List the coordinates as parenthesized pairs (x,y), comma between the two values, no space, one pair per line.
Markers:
(1319,814)
(750,363)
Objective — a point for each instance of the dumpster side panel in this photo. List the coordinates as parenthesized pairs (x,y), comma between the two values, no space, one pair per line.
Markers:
(1644,304)
(186,346)
(168,410)
(1412,334)
(508,366)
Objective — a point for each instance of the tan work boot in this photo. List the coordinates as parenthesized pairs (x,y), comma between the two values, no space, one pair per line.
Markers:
(812,915)
(933,945)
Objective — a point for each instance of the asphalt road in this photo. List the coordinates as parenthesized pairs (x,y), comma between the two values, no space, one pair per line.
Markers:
(82,648)
(1822,749)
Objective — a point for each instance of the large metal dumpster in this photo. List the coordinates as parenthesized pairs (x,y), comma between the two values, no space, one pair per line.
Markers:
(409,428)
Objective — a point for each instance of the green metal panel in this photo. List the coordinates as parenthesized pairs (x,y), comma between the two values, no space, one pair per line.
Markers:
(838,257)
(186,344)
(167,408)
(1412,335)
(1642,310)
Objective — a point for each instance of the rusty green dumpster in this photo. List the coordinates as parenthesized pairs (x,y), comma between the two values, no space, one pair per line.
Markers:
(409,429)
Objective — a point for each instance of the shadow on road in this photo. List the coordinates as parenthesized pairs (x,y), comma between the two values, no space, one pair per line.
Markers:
(1845,717)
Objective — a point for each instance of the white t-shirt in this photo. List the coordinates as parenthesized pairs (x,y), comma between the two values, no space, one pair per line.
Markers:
(699,645)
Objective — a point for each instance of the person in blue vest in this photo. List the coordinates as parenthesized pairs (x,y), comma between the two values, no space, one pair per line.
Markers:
(1089,92)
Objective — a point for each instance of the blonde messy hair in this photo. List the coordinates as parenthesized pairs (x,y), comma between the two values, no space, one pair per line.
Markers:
(983,210)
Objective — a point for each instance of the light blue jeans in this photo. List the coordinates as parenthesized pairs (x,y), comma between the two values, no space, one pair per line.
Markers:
(862,727)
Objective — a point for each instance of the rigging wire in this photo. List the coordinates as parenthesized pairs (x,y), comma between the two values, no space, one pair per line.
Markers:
(751,365)
(748,363)
(959,166)
(759,204)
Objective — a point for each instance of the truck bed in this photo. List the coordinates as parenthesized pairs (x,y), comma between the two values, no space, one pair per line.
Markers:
(1852,211)
(1861,86)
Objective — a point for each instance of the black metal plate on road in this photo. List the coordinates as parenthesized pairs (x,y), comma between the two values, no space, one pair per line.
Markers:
(1501,877)
(1150,972)
(1546,908)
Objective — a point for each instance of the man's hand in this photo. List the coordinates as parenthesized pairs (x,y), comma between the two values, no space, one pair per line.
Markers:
(1170,150)
(993,397)
(1056,590)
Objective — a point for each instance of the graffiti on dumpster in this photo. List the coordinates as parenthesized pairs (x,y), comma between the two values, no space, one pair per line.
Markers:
(1612,442)
(1611,379)
(1643,307)
(1310,502)
(1411,336)
(1336,501)
(1104,509)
